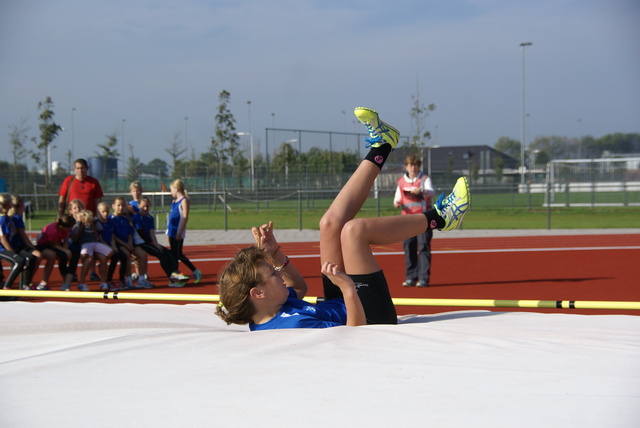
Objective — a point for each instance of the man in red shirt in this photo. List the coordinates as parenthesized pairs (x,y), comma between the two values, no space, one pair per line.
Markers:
(80,186)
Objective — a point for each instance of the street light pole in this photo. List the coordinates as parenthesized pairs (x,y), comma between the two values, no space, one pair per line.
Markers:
(186,132)
(123,150)
(522,119)
(73,135)
(253,175)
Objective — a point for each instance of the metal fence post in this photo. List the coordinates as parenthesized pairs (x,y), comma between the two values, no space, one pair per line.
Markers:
(299,210)
(224,209)
(548,205)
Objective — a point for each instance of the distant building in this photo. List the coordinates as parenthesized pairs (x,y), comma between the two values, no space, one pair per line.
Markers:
(484,164)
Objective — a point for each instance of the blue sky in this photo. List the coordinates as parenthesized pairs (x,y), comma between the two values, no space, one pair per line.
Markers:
(302,63)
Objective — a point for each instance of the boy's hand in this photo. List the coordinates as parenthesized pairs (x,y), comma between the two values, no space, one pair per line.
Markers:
(341,279)
(264,237)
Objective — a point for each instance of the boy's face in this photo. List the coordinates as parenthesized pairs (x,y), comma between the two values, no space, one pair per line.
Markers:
(144,207)
(412,169)
(118,207)
(74,210)
(273,288)
(136,192)
(103,210)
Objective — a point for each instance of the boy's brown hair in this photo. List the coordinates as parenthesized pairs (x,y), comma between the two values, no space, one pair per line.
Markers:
(412,160)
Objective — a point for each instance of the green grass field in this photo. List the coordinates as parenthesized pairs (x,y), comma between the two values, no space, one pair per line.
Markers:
(286,215)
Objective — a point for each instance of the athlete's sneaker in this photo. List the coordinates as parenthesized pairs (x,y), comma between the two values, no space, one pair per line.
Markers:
(104,286)
(453,207)
(43,286)
(176,284)
(127,284)
(83,287)
(134,276)
(65,287)
(197,276)
(144,283)
(179,277)
(409,283)
(379,132)
(422,284)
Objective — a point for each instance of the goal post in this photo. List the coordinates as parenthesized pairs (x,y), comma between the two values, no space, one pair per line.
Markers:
(593,182)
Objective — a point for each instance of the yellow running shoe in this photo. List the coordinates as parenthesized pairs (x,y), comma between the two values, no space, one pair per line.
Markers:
(379,132)
(453,207)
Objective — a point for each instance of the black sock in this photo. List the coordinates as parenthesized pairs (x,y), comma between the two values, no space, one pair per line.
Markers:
(433,219)
(379,155)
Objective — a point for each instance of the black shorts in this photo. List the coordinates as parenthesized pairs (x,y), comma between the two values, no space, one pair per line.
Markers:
(373,291)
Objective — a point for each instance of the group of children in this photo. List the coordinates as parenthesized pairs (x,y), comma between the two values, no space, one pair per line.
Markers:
(105,239)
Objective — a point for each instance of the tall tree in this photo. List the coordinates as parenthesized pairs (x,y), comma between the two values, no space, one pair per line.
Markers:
(48,132)
(226,142)
(134,166)
(508,146)
(419,114)
(176,151)
(156,167)
(17,140)
(108,151)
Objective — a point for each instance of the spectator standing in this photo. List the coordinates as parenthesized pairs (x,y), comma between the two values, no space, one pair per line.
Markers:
(80,186)
(413,195)
(177,225)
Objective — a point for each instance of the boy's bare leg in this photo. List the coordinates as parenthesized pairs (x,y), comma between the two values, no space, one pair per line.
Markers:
(382,139)
(359,234)
(344,208)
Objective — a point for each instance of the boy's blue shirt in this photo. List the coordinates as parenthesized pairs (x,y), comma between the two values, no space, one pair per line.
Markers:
(122,228)
(297,313)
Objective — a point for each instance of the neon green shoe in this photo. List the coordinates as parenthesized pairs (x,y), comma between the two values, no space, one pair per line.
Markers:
(379,132)
(453,207)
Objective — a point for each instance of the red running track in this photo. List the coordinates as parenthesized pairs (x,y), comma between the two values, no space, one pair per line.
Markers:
(572,267)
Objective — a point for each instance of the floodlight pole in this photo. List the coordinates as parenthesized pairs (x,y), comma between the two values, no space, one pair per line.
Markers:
(522,120)
(73,132)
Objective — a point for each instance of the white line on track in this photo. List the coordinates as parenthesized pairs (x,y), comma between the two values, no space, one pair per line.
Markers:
(396,253)
(489,250)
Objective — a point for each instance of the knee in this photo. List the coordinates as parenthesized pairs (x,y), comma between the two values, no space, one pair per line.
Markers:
(352,231)
(329,223)
(18,260)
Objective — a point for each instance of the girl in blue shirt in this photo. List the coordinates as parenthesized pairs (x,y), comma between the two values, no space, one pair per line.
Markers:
(7,233)
(177,226)
(262,288)
(22,244)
